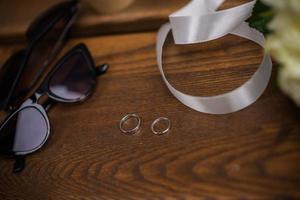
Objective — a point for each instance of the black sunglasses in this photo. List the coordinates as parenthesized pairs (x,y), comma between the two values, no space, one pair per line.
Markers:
(27,129)
(45,36)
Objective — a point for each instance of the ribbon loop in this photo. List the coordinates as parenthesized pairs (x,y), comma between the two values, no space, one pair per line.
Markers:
(199,22)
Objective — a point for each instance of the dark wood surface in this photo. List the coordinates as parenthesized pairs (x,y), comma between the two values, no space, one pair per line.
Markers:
(140,16)
(251,154)
(16,15)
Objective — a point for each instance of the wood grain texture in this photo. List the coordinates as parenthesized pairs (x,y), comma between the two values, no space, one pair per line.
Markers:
(140,16)
(251,154)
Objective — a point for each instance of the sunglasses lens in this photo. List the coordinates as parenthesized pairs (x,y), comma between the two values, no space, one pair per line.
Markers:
(74,79)
(24,132)
(41,54)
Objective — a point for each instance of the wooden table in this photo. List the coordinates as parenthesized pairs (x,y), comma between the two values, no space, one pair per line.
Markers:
(251,154)
(140,16)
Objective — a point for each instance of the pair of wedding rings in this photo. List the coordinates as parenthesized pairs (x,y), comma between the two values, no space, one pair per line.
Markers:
(138,123)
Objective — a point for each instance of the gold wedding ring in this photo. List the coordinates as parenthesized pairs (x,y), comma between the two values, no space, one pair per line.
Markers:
(160,120)
(125,119)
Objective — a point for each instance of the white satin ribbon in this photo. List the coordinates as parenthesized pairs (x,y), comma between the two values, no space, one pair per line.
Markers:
(199,21)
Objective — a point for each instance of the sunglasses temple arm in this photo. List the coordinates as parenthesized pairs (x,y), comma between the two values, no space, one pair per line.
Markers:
(101,69)
(20,163)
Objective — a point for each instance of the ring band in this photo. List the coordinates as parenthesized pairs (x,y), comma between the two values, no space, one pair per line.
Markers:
(157,121)
(127,117)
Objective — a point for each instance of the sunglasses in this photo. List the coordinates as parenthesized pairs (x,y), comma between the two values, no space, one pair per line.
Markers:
(45,38)
(27,129)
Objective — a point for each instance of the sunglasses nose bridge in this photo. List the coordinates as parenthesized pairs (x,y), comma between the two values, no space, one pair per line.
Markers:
(33,99)
(38,95)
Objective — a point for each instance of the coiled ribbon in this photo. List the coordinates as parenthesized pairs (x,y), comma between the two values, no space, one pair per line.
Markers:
(199,21)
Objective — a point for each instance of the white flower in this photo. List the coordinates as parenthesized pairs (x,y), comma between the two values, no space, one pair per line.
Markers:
(285,5)
(289,80)
(284,44)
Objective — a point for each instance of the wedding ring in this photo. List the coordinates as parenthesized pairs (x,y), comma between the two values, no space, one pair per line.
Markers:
(125,119)
(159,120)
